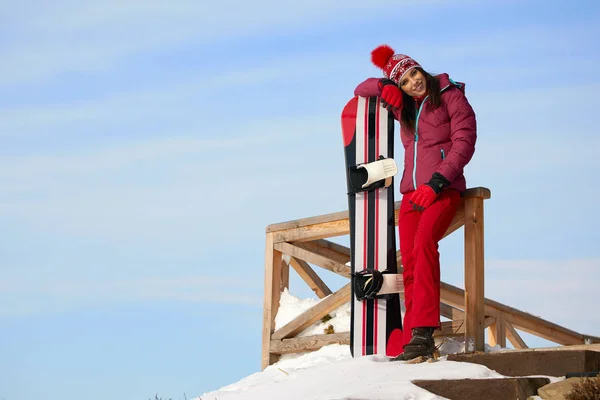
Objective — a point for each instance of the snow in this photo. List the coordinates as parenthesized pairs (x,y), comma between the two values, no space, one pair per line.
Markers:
(290,307)
(330,373)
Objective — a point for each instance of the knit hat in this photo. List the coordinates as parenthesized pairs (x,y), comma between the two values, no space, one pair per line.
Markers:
(394,66)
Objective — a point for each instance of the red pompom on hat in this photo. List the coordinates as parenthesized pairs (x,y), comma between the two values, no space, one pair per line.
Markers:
(394,66)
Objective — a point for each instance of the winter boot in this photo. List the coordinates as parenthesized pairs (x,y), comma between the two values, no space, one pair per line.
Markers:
(421,343)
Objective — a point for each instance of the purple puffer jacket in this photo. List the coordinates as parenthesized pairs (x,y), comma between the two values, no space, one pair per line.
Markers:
(444,140)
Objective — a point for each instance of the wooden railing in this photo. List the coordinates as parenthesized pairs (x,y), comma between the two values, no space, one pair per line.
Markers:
(304,243)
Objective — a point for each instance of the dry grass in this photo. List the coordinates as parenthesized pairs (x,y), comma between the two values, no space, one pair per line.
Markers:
(170,398)
(586,389)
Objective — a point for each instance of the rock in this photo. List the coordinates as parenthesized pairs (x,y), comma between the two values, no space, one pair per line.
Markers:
(557,390)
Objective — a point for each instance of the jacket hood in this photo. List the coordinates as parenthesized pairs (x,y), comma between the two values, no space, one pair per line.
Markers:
(446,82)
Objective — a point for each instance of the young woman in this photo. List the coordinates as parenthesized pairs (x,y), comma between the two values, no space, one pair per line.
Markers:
(438,132)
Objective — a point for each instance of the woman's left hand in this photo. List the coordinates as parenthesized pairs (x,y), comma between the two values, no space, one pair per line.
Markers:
(423,197)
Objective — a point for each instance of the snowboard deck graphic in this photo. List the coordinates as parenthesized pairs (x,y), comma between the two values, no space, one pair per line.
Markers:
(368,136)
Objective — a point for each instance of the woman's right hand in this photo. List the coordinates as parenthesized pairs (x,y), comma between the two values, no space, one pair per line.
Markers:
(390,94)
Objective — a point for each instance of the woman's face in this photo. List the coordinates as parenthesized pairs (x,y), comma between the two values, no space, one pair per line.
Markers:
(413,83)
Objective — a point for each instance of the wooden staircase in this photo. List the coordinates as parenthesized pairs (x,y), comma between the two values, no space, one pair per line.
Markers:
(525,371)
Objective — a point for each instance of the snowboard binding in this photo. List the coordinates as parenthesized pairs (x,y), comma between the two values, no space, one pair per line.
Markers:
(374,175)
(367,284)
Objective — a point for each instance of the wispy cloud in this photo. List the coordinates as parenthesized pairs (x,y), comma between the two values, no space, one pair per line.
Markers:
(86,36)
(543,41)
(25,296)
(179,185)
(192,98)
(122,154)
(71,37)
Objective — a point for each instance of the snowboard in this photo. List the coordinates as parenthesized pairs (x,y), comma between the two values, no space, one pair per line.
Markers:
(368,137)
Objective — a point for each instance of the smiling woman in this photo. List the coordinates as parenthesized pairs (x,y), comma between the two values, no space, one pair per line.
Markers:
(438,132)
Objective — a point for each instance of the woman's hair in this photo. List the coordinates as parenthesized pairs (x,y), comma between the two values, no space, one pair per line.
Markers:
(408,116)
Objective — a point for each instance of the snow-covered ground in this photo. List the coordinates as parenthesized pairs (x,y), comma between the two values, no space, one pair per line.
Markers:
(332,374)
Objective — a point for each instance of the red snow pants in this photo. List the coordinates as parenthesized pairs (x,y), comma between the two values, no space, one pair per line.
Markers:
(419,234)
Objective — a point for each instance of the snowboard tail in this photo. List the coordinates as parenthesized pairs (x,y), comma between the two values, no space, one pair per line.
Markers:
(368,133)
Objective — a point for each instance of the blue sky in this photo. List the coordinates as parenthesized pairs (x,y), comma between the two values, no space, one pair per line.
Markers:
(145,146)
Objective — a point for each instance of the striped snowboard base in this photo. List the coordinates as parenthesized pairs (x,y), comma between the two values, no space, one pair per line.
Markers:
(368,133)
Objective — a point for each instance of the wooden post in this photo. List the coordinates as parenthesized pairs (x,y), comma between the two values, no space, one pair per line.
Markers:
(285,276)
(272,295)
(497,332)
(474,275)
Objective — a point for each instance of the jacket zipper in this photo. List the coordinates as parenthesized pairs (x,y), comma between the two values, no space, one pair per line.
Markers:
(417,136)
(416,142)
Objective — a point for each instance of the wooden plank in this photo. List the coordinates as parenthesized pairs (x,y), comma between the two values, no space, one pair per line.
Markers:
(474,272)
(313,258)
(476,192)
(271,299)
(334,246)
(311,278)
(324,251)
(313,232)
(513,337)
(450,328)
(537,326)
(315,342)
(338,252)
(497,333)
(544,329)
(308,343)
(313,314)
(309,221)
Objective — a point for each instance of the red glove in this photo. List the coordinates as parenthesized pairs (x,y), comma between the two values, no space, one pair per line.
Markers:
(390,94)
(423,197)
